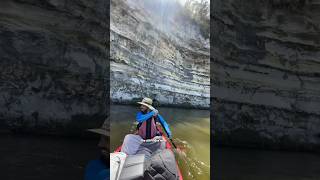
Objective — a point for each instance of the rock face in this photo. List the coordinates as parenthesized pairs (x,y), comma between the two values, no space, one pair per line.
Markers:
(53,64)
(265,71)
(158,52)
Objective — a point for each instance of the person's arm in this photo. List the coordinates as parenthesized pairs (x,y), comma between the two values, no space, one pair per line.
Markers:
(143,117)
(164,125)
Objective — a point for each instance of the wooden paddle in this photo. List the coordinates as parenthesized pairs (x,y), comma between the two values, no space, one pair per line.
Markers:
(172,143)
(163,130)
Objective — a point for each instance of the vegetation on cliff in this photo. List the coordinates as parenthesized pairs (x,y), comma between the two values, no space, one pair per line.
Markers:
(199,12)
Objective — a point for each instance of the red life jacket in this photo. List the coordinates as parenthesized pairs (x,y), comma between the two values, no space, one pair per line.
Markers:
(148,129)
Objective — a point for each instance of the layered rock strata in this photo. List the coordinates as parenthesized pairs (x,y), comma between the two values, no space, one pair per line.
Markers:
(158,52)
(53,65)
(265,73)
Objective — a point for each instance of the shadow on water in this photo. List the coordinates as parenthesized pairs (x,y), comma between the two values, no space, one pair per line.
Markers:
(44,157)
(191,134)
(252,164)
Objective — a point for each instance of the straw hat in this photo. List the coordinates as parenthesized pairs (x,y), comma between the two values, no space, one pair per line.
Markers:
(147,102)
(103,130)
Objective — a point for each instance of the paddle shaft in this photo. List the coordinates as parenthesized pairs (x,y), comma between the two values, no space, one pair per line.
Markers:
(173,144)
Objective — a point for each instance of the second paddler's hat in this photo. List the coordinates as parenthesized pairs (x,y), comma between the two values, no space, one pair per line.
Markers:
(103,130)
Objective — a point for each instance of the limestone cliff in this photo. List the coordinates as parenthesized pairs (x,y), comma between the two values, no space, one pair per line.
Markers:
(157,51)
(53,64)
(265,70)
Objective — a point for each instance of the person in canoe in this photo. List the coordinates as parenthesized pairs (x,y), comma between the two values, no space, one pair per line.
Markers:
(146,154)
(147,138)
(98,169)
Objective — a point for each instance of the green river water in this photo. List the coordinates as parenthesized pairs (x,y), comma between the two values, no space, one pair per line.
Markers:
(191,133)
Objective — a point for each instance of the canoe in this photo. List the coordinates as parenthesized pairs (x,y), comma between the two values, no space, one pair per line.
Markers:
(168,146)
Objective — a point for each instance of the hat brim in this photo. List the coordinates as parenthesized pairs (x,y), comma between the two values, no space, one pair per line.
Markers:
(100,131)
(149,106)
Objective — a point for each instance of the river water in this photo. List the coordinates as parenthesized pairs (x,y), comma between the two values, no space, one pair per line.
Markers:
(44,157)
(27,157)
(251,164)
(191,133)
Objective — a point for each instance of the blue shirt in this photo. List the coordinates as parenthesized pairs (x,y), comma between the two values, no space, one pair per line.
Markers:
(97,170)
(140,117)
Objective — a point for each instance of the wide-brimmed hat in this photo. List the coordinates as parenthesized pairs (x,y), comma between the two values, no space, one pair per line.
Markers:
(103,130)
(147,102)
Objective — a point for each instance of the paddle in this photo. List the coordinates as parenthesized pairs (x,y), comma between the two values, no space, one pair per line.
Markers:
(163,129)
(173,143)
(178,149)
